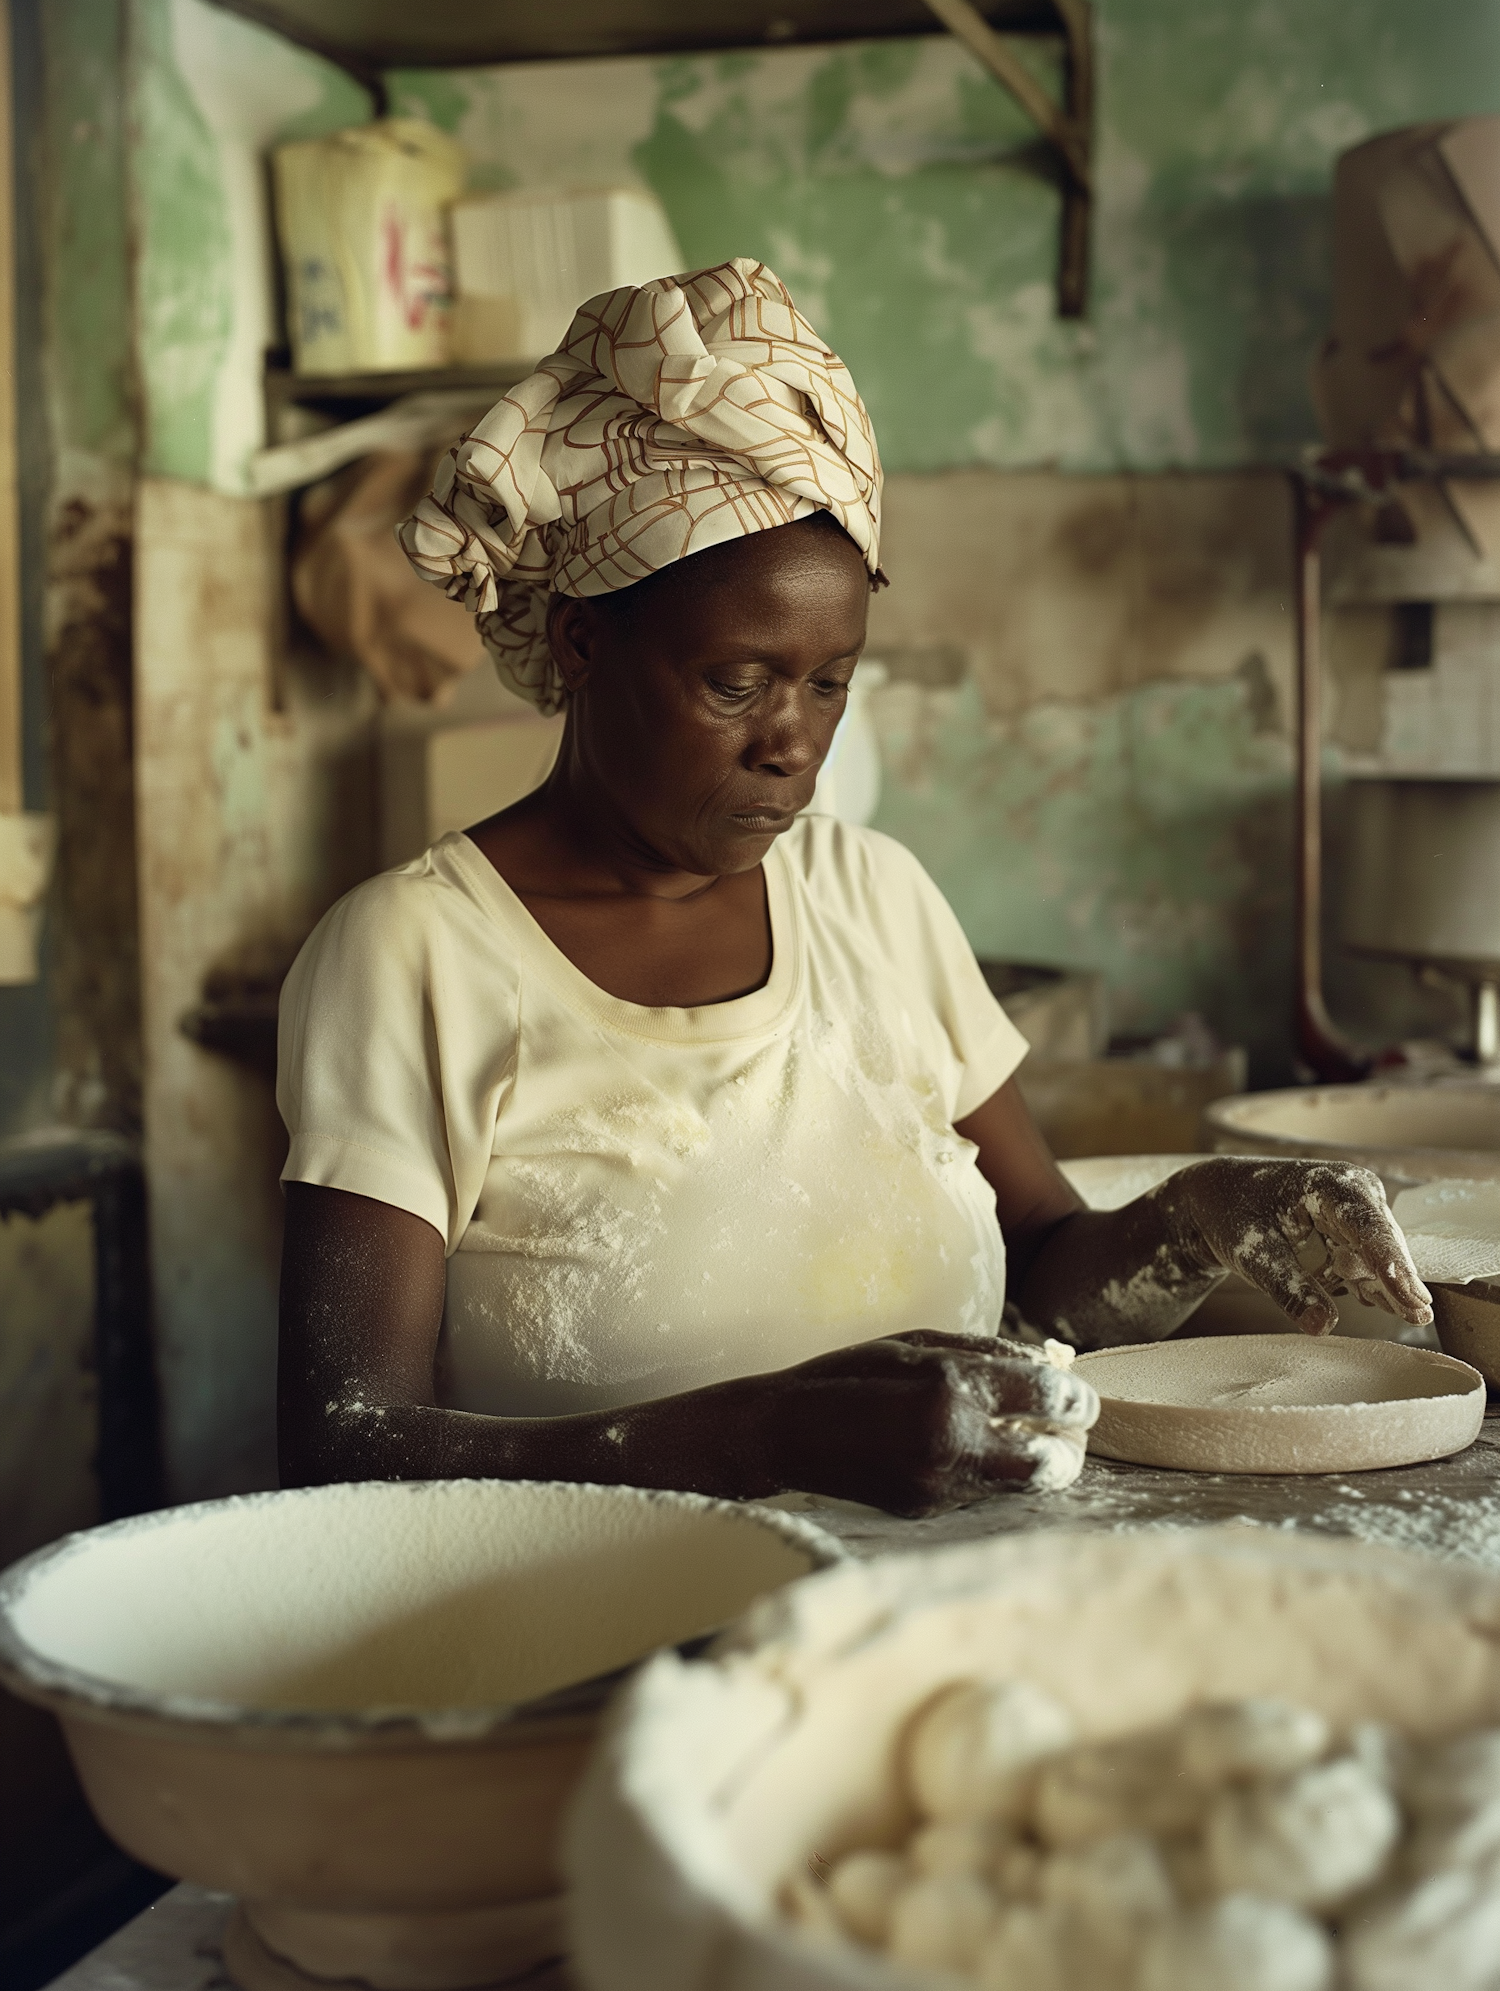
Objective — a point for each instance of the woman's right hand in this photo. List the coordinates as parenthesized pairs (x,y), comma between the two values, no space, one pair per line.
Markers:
(920,1422)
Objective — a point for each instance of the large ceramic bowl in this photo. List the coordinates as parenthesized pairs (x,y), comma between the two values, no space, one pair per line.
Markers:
(1468,1325)
(350,1705)
(1454,1229)
(721,1777)
(1407,1133)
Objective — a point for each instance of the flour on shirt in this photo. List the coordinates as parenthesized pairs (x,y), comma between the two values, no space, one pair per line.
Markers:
(640,1201)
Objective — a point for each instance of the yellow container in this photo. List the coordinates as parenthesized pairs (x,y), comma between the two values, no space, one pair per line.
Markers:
(362,218)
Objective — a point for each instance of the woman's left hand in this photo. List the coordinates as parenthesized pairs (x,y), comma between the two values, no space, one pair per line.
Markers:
(1302,1231)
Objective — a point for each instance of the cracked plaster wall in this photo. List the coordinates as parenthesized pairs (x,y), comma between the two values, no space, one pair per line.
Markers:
(1087,739)
(900,193)
(254,753)
(1086,729)
(1102,780)
(212,783)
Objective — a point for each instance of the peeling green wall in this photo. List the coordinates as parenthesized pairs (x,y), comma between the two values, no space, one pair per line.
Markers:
(88,306)
(896,188)
(903,198)
(1145,835)
(211,94)
(75,427)
(898,191)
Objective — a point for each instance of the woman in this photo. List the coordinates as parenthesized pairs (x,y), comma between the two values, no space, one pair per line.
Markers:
(654,1131)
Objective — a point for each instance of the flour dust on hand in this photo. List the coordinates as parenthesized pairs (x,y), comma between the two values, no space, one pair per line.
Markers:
(1304,1232)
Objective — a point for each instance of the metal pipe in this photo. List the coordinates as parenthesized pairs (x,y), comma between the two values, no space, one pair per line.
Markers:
(1322,1048)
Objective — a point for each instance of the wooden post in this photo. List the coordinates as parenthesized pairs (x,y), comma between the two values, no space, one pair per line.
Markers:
(1078,196)
(1067,126)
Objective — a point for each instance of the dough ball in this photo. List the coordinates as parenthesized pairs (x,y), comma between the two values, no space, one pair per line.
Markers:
(1241,1740)
(1453,1778)
(1108,1897)
(941,1921)
(1186,1859)
(1123,1878)
(1025,1952)
(1470,1839)
(1443,1935)
(1018,1871)
(1241,1943)
(970,1752)
(1314,1840)
(1383,1751)
(1454,1790)
(1134,1785)
(959,1848)
(862,1888)
(806,1902)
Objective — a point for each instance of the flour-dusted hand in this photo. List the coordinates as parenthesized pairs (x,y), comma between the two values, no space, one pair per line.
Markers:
(1302,1231)
(921,1422)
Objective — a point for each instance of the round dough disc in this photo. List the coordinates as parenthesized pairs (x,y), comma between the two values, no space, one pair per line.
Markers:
(1281,1403)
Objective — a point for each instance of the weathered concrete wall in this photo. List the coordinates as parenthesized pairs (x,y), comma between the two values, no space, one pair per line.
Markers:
(70,1039)
(254,765)
(899,193)
(1085,734)
(91,403)
(211,95)
(1090,747)
(69,1044)
(48,1428)
(257,810)
(48,1385)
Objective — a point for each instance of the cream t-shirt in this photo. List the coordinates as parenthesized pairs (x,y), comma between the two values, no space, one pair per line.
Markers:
(640,1201)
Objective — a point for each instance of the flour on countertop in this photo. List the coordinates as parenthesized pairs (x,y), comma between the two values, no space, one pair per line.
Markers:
(1450,1508)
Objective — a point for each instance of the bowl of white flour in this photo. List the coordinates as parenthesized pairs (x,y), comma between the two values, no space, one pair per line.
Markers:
(362,1708)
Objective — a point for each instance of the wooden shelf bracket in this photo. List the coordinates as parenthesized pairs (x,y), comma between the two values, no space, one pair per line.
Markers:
(1067,126)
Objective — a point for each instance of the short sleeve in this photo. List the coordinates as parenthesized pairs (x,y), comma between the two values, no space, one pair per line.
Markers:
(924,939)
(383,1087)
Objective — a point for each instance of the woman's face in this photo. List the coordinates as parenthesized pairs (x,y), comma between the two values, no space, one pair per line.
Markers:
(701,709)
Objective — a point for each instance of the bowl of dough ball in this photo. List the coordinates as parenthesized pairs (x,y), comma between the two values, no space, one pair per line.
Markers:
(1205,1760)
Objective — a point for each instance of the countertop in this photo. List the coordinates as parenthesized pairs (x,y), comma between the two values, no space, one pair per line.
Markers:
(1449,1509)
(177,1945)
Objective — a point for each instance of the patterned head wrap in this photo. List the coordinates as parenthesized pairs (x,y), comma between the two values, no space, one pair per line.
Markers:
(694,410)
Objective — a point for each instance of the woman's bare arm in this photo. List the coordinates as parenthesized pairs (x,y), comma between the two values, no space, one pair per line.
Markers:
(905,1425)
(1302,1231)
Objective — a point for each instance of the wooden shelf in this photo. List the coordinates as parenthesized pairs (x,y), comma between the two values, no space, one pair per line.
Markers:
(368,36)
(339,390)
